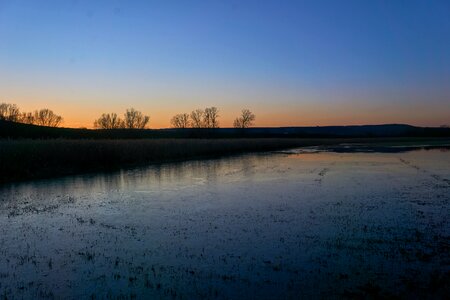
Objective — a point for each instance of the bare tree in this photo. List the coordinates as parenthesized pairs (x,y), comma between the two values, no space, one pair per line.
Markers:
(245,120)
(210,117)
(180,121)
(46,117)
(197,118)
(43,117)
(135,119)
(109,121)
(27,118)
(9,112)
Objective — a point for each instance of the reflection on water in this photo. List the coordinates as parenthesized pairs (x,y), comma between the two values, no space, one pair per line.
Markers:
(313,223)
(367,148)
(157,176)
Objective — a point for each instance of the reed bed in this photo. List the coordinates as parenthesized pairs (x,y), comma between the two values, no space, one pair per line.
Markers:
(31,159)
(24,159)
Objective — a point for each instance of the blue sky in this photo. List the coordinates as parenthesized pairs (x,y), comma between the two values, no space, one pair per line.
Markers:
(292,62)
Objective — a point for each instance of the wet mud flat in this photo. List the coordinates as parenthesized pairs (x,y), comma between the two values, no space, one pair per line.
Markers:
(321,224)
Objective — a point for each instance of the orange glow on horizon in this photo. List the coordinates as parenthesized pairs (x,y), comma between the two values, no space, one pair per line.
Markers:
(161,119)
(78,113)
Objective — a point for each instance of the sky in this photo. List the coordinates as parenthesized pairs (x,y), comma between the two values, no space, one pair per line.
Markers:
(293,63)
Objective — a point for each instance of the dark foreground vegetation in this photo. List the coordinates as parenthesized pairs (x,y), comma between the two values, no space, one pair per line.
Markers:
(30,159)
(23,159)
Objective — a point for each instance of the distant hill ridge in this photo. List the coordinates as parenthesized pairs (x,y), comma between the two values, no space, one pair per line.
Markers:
(14,130)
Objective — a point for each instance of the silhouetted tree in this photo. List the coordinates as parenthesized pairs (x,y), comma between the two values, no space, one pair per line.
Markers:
(109,121)
(180,121)
(135,119)
(27,118)
(46,117)
(445,126)
(9,112)
(210,117)
(197,118)
(245,120)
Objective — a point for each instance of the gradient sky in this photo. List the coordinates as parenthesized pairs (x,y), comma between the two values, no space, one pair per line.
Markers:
(290,62)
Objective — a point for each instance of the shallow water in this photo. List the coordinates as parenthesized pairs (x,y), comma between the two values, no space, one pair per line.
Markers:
(274,225)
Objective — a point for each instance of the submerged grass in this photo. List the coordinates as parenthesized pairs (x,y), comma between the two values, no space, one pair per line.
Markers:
(32,159)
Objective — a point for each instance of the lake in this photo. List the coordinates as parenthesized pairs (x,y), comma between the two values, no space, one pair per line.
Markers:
(310,222)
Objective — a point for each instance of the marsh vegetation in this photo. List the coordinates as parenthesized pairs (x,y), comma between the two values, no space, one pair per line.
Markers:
(28,159)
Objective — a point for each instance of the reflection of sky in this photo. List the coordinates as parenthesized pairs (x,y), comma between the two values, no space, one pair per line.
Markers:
(240,169)
(308,63)
(154,178)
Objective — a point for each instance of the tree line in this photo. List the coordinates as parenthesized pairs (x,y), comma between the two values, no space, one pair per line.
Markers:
(132,119)
(208,118)
(199,118)
(42,117)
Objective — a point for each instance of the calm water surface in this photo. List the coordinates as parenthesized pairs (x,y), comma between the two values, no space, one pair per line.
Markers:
(274,225)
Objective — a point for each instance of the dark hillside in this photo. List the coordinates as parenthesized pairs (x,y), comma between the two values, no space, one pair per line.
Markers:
(13,130)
